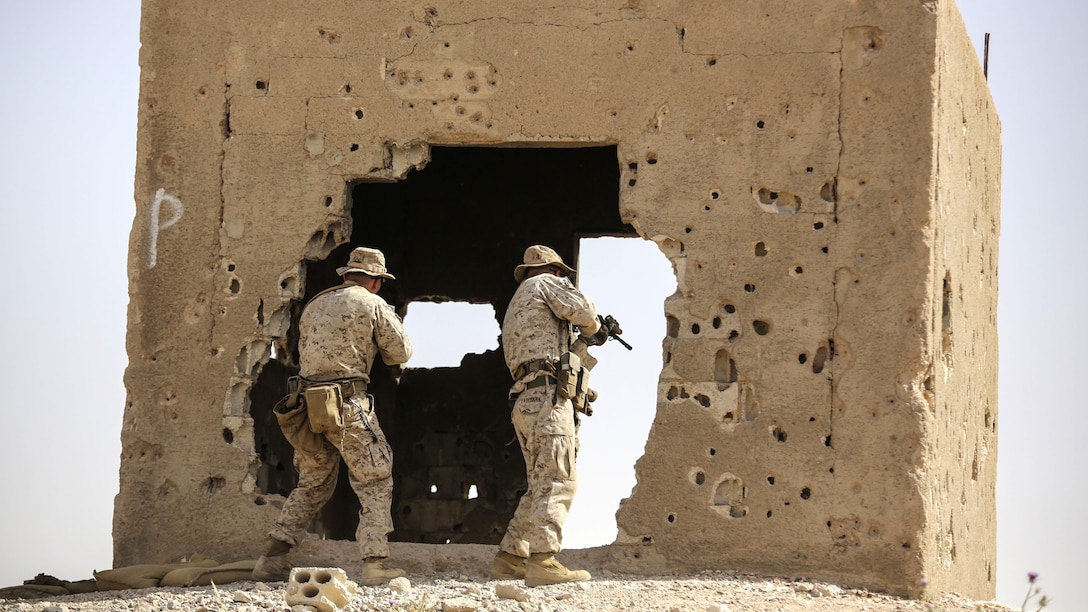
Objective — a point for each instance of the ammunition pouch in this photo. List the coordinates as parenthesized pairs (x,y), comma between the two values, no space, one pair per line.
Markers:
(324,406)
(572,382)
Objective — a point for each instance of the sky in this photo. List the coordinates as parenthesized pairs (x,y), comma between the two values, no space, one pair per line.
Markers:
(69,72)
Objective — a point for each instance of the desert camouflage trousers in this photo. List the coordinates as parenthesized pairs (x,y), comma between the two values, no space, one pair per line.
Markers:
(549,444)
(370,470)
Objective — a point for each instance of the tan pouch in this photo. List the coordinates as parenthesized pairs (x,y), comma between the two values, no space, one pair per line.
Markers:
(295,424)
(568,375)
(324,404)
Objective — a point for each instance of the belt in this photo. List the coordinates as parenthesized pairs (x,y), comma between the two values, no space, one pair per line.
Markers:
(534,365)
(348,386)
(540,381)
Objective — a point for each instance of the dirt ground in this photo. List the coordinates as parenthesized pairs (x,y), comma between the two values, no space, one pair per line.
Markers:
(452,592)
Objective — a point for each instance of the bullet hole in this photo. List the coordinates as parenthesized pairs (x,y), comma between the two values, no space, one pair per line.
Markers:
(812,419)
(446,45)
(703,400)
(798,270)
(687,230)
(768,514)
(714,195)
(460,110)
(261,85)
(358,113)
(354,147)
(447,74)
(214,484)
(819,225)
(695,328)
(235,286)
(819,359)
(651,159)
(706,208)
(761,249)
(260,501)
(749,287)
(728,417)
(682,32)
(347,88)
(730,308)
(700,478)
(328,201)
(711,62)
(406,33)
(827,441)
(828,192)
(760,124)
(230,267)
(802,358)
(671,518)
(823,250)
(761,327)
(631,183)
(809,170)
(215,352)
(733,335)
(228,436)
(806,493)
(778,433)
(717,322)
(906,545)
(831,470)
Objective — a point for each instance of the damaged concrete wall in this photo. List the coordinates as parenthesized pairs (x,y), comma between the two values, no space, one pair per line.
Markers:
(823,177)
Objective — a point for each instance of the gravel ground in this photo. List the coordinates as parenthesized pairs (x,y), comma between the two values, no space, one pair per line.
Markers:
(706,592)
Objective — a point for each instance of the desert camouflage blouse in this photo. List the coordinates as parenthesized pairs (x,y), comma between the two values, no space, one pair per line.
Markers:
(343,330)
(536,322)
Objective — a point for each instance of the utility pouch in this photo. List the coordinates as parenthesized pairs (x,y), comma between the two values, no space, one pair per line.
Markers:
(291,414)
(567,375)
(324,404)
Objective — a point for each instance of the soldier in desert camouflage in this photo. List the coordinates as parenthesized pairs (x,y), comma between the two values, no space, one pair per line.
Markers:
(341,332)
(536,332)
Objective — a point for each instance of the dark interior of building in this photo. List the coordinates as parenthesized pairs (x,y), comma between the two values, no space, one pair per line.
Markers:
(452,231)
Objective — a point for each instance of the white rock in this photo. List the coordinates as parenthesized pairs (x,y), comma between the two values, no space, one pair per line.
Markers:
(242,597)
(400,585)
(717,608)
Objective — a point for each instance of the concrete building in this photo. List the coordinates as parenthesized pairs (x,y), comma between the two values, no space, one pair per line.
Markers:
(824,177)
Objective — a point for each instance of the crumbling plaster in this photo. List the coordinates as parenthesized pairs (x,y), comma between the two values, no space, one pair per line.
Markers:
(823,177)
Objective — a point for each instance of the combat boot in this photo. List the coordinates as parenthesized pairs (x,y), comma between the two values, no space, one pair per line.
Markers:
(375,573)
(272,568)
(543,569)
(507,567)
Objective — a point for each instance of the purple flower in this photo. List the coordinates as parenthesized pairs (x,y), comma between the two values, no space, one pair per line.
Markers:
(1033,576)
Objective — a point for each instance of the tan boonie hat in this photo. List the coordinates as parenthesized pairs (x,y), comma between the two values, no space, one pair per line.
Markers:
(366,261)
(536,256)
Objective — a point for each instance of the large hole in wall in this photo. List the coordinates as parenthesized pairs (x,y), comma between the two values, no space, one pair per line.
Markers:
(453,232)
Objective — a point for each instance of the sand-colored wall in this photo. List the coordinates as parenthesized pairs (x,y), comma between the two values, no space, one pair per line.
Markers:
(814,171)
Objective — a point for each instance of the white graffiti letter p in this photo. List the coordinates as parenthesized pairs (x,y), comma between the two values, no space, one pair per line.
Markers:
(175,213)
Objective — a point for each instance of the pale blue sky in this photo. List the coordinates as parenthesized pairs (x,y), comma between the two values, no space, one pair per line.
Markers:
(68,117)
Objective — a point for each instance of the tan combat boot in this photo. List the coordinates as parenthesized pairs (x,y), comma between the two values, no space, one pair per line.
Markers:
(272,568)
(507,567)
(543,569)
(375,573)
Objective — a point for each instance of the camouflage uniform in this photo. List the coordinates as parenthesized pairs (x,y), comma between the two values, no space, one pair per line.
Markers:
(537,326)
(341,332)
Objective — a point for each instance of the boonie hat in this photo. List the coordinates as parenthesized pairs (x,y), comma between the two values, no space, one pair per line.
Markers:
(366,261)
(536,256)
